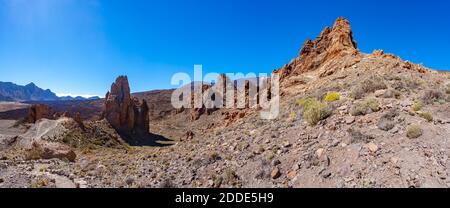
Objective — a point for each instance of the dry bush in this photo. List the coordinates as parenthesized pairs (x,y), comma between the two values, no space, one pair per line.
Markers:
(365,107)
(427,116)
(414,131)
(368,86)
(314,111)
(431,96)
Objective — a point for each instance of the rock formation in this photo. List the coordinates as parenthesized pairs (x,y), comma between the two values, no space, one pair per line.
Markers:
(124,113)
(50,150)
(37,112)
(332,43)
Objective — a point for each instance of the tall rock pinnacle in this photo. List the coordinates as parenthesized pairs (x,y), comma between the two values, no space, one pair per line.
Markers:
(124,113)
(332,43)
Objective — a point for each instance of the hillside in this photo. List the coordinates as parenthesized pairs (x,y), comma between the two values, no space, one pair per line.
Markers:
(347,119)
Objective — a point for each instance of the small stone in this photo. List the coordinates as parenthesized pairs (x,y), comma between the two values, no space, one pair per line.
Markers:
(275,162)
(379,93)
(130,181)
(275,173)
(210,183)
(286,144)
(320,152)
(2,180)
(296,167)
(350,120)
(372,147)
(394,160)
(292,174)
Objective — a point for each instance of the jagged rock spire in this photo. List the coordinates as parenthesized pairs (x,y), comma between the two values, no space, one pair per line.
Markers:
(124,113)
(330,44)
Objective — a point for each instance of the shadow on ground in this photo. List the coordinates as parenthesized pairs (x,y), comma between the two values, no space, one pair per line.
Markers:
(146,140)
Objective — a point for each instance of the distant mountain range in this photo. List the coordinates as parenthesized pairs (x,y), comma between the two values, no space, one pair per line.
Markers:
(30,92)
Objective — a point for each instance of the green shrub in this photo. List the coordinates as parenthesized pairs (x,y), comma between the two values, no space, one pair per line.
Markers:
(314,110)
(414,131)
(427,116)
(365,107)
(368,86)
(417,106)
(332,96)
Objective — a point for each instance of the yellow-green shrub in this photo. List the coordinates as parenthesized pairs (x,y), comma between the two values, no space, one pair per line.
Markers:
(314,110)
(417,106)
(427,116)
(332,96)
(414,131)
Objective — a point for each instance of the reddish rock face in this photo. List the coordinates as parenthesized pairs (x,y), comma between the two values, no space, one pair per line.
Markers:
(124,113)
(331,44)
(37,112)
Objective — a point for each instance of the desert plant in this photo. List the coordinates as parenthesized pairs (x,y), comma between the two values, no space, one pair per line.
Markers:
(314,110)
(417,105)
(367,86)
(427,116)
(447,89)
(332,96)
(414,131)
(431,96)
(365,107)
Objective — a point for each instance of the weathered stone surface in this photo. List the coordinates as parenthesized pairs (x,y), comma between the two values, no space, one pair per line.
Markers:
(50,150)
(332,44)
(37,112)
(124,113)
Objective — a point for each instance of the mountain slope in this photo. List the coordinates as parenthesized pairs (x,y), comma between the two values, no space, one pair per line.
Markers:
(28,92)
(13,92)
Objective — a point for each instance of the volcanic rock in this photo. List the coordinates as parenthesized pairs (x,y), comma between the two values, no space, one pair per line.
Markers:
(37,112)
(124,113)
(332,44)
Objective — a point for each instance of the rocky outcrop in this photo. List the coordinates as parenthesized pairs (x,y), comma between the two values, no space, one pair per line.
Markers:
(124,113)
(37,112)
(50,150)
(332,43)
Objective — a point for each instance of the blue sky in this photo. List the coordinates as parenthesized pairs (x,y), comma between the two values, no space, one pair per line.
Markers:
(80,46)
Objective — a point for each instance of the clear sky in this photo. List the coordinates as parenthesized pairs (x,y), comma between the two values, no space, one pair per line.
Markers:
(80,46)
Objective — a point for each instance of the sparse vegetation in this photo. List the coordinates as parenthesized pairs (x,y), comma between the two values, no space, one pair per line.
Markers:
(417,105)
(314,111)
(391,93)
(414,131)
(367,86)
(332,96)
(365,107)
(432,96)
(427,116)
